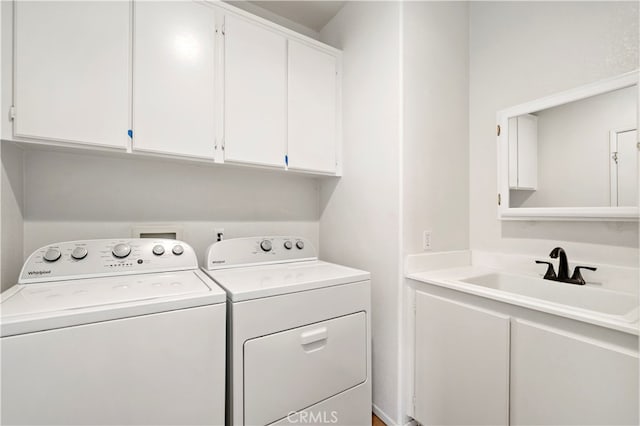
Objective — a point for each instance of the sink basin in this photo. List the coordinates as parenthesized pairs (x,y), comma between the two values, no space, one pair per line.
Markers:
(597,300)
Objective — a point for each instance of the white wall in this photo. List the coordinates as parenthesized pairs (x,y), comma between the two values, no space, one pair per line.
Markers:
(83,195)
(435,141)
(573,150)
(435,116)
(520,51)
(405,118)
(360,213)
(11,214)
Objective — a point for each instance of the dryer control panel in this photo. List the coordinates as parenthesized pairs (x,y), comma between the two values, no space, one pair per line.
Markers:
(239,252)
(108,257)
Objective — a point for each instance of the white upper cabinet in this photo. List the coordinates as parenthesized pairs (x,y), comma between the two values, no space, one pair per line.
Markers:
(174,93)
(188,79)
(255,79)
(312,113)
(72,67)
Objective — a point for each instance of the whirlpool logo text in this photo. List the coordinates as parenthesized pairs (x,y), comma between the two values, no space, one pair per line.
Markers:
(39,272)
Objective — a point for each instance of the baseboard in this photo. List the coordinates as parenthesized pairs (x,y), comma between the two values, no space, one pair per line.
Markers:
(383,416)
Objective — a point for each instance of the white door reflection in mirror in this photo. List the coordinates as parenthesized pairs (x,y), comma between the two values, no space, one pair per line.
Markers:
(624,168)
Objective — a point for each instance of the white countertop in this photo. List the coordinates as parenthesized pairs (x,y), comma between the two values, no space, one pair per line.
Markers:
(452,269)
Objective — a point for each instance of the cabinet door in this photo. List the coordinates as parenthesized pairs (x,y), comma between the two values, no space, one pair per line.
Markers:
(461,365)
(562,378)
(72,67)
(513,152)
(255,93)
(174,97)
(528,151)
(523,152)
(312,109)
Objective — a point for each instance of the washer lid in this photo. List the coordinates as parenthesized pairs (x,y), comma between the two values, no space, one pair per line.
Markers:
(35,307)
(271,280)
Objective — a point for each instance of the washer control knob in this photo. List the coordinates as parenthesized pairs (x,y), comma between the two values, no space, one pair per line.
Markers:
(177,250)
(265,245)
(288,245)
(79,253)
(300,244)
(52,255)
(158,250)
(121,250)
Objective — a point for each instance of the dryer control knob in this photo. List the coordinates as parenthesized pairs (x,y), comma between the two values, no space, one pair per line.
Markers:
(79,253)
(177,250)
(265,245)
(121,250)
(300,244)
(52,255)
(288,245)
(158,250)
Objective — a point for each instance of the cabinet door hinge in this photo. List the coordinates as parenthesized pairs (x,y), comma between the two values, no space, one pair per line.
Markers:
(498,129)
(499,199)
(12,113)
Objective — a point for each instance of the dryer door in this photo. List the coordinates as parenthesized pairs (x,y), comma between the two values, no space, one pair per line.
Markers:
(294,369)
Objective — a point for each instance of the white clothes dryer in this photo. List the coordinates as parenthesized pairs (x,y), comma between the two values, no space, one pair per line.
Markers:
(299,341)
(119,332)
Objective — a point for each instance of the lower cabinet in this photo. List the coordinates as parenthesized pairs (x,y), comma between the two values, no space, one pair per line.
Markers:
(462,364)
(563,378)
(479,366)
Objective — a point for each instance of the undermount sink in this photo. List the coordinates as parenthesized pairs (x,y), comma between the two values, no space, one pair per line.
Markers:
(597,300)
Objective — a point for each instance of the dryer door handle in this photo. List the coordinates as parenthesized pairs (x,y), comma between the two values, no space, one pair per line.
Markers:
(313,336)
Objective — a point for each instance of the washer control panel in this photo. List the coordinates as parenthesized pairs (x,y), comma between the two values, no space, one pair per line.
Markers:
(95,258)
(239,252)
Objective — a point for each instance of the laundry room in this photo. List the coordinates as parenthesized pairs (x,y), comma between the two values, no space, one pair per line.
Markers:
(387,212)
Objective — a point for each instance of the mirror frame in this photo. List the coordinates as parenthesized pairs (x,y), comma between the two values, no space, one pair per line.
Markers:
(629,214)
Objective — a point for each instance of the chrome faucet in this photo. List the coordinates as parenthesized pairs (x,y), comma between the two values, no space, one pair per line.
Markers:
(563,268)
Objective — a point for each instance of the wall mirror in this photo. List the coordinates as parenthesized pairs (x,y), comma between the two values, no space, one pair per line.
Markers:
(573,155)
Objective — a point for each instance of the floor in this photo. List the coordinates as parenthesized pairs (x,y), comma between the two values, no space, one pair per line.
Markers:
(375,421)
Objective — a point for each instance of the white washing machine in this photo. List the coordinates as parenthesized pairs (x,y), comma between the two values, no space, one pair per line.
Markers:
(299,345)
(113,332)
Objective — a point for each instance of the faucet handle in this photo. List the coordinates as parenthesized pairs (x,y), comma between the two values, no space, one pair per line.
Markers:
(551,273)
(577,275)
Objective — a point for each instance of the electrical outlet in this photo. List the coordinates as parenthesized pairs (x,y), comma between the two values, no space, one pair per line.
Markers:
(218,234)
(426,240)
